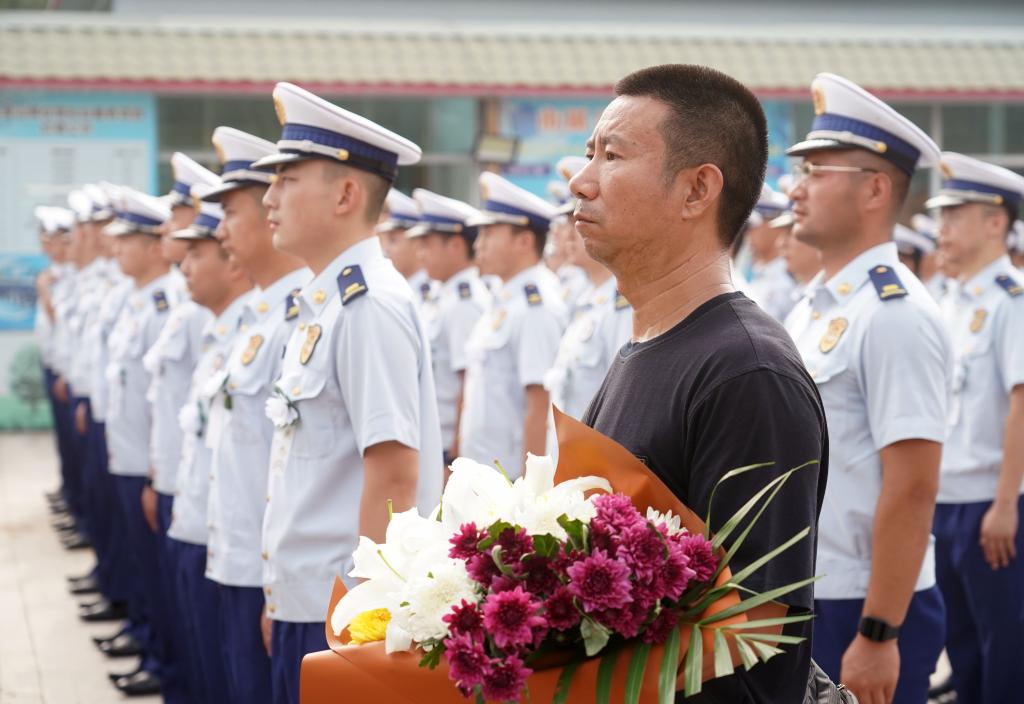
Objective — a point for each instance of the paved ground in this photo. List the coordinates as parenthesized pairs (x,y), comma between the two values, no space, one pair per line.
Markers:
(46,653)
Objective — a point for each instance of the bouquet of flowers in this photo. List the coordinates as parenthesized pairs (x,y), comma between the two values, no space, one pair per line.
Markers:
(556,591)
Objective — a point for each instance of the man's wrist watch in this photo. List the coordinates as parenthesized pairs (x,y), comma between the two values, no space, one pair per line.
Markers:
(877,630)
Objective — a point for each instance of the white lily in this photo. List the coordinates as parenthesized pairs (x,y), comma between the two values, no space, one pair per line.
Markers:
(411,544)
(480,494)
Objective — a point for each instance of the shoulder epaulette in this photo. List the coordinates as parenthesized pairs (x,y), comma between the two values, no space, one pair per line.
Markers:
(160,299)
(351,284)
(291,304)
(887,284)
(533,297)
(1008,284)
(465,291)
(425,291)
(620,302)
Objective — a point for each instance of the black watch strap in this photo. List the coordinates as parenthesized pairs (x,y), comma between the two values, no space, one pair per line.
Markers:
(877,630)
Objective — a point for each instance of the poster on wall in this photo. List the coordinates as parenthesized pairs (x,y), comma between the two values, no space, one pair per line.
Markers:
(50,143)
(549,129)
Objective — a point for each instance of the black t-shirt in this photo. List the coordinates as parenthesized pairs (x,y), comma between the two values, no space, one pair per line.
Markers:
(723,389)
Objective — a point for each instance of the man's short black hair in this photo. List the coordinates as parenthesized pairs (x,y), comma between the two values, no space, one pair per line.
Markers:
(713,119)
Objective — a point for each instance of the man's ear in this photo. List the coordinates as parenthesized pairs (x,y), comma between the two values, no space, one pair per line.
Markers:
(700,188)
(879,194)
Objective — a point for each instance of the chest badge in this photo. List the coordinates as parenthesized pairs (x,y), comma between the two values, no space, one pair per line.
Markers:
(255,342)
(978,321)
(313,333)
(836,328)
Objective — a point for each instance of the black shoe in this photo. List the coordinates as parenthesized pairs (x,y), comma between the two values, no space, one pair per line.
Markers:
(139,684)
(102,639)
(63,523)
(115,676)
(54,495)
(120,647)
(91,574)
(76,541)
(943,692)
(60,509)
(94,603)
(104,611)
(89,585)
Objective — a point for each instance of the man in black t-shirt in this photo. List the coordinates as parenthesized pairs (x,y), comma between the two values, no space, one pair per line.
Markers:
(710,382)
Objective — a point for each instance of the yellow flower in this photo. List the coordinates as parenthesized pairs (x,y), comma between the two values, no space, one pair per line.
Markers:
(369,626)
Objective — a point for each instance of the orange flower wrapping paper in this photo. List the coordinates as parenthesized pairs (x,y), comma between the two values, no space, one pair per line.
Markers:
(365,673)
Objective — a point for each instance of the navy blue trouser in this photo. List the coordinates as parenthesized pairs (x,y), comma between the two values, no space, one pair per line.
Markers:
(246,662)
(984,608)
(62,429)
(198,606)
(177,650)
(143,546)
(82,487)
(920,641)
(290,642)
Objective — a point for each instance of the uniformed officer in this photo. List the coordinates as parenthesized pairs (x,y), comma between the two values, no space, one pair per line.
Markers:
(403,214)
(171,362)
(128,418)
(445,242)
(240,461)
(515,343)
(771,285)
(1015,244)
(220,285)
(977,527)
(873,340)
(803,262)
(601,322)
(355,407)
(49,285)
(572,277)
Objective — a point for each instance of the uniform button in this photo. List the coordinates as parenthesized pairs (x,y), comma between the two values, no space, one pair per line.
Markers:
(268,498)
(271,608)
(302,326)
(209,553)
(319,297)
(232,387)
(844,288)
(815,315)
(268,591)
(296,391)
(265,556)
(262,307)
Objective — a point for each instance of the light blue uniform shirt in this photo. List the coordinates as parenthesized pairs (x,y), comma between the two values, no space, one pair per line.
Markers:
(512,346)
(987,323)
(450,319)
(170,363)
(201,424)
(882,367)
(357,370)
(128,412)
(241,459)
(602,324)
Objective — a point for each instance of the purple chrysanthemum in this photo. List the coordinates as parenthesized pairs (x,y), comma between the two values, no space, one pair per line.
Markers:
(675,575)
(510,618)
(561,612)
(600,582)
(505,679)
(540,574)
(465,541)
(482,569)
(465,619)
(702,559)
(642,549)
(617,512)
(657,631)
(514,544)
(467,662)
(628,620)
